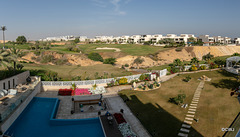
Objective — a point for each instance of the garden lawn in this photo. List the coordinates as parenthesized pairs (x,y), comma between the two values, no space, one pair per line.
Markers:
(68,72)
(216,108)
(128,49)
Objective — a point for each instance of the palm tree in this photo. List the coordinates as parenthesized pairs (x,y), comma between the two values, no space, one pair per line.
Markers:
(3,28)
(14,55)
(3,58)
(177,62)
(194,60)
(208,57)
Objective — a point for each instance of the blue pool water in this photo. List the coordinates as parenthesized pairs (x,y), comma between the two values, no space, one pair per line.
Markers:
(38,120)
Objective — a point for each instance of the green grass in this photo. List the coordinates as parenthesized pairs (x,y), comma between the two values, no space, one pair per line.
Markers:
(24,46)
(128,49)
(68,72)
(216,108)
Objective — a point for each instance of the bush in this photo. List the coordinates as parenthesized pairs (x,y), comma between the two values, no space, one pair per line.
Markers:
(203,67)
(139,86)
(123,81)
(37,53)
(47,58)
(144,77)
(187,78)
(193,68)
(23,62)
(95,57)
(178,49)
(213,65)
(135,80)
(30,62)
(150,86)
(126,65)
(177,100)
(109,61)
(60,61)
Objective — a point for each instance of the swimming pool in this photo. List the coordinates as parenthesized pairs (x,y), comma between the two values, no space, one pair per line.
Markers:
(38,120)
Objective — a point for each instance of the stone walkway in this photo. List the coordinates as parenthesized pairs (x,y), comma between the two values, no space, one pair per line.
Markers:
(116,104)
(185,129)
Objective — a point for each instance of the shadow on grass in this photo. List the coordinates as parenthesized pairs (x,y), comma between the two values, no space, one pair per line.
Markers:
(225,73)
(155,119)
(226,83)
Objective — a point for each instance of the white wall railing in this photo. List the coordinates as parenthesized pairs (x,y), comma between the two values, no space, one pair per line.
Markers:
(98,81)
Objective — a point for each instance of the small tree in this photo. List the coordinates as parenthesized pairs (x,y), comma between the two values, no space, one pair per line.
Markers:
(138,61)
(110,61)
(194,60)
(76,40)
(95,57)
(21,39)
(207,57)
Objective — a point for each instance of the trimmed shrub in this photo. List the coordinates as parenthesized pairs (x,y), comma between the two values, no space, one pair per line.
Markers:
(123,81)
(203,67)
(193,68)
(95,57)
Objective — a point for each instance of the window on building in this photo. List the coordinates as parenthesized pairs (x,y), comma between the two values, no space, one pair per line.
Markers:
(13,83)
(9,84)
(4,86)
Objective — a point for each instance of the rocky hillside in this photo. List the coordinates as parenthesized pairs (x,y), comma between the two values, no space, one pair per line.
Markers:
(187,53)
(73,59)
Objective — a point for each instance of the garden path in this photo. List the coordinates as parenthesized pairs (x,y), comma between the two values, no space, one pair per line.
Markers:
(185,129)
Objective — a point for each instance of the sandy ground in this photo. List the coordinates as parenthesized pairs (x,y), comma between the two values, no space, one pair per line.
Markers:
(106,48)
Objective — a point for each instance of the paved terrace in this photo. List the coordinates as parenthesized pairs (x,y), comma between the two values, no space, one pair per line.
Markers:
(114,104)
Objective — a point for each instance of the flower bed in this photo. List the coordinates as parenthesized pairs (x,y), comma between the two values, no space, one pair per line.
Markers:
(119,118)
(65,92)
(80,91)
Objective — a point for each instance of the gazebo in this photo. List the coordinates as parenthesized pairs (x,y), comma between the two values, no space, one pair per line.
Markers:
(231,64)
(231,60)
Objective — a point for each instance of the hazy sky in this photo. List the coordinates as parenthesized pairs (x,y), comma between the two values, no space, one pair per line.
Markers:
(37,19)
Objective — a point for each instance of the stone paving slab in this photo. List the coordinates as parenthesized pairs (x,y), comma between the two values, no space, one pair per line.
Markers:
(192,106)
(191,112)
(188,122)
(190,115)
(184,130)
(182,135)
(187,118)
(186,126)
(192,109)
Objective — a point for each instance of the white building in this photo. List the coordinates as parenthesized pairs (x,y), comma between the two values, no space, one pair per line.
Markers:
(83,38)
(123,39)
(178,39)
(155,38)
(60,38)
(135,39)
(145,38)
(206,39)
(216,39)
(237,41)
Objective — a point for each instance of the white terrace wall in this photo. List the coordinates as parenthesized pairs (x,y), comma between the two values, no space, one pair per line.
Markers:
(53,85)
(11,82)
(8,122)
